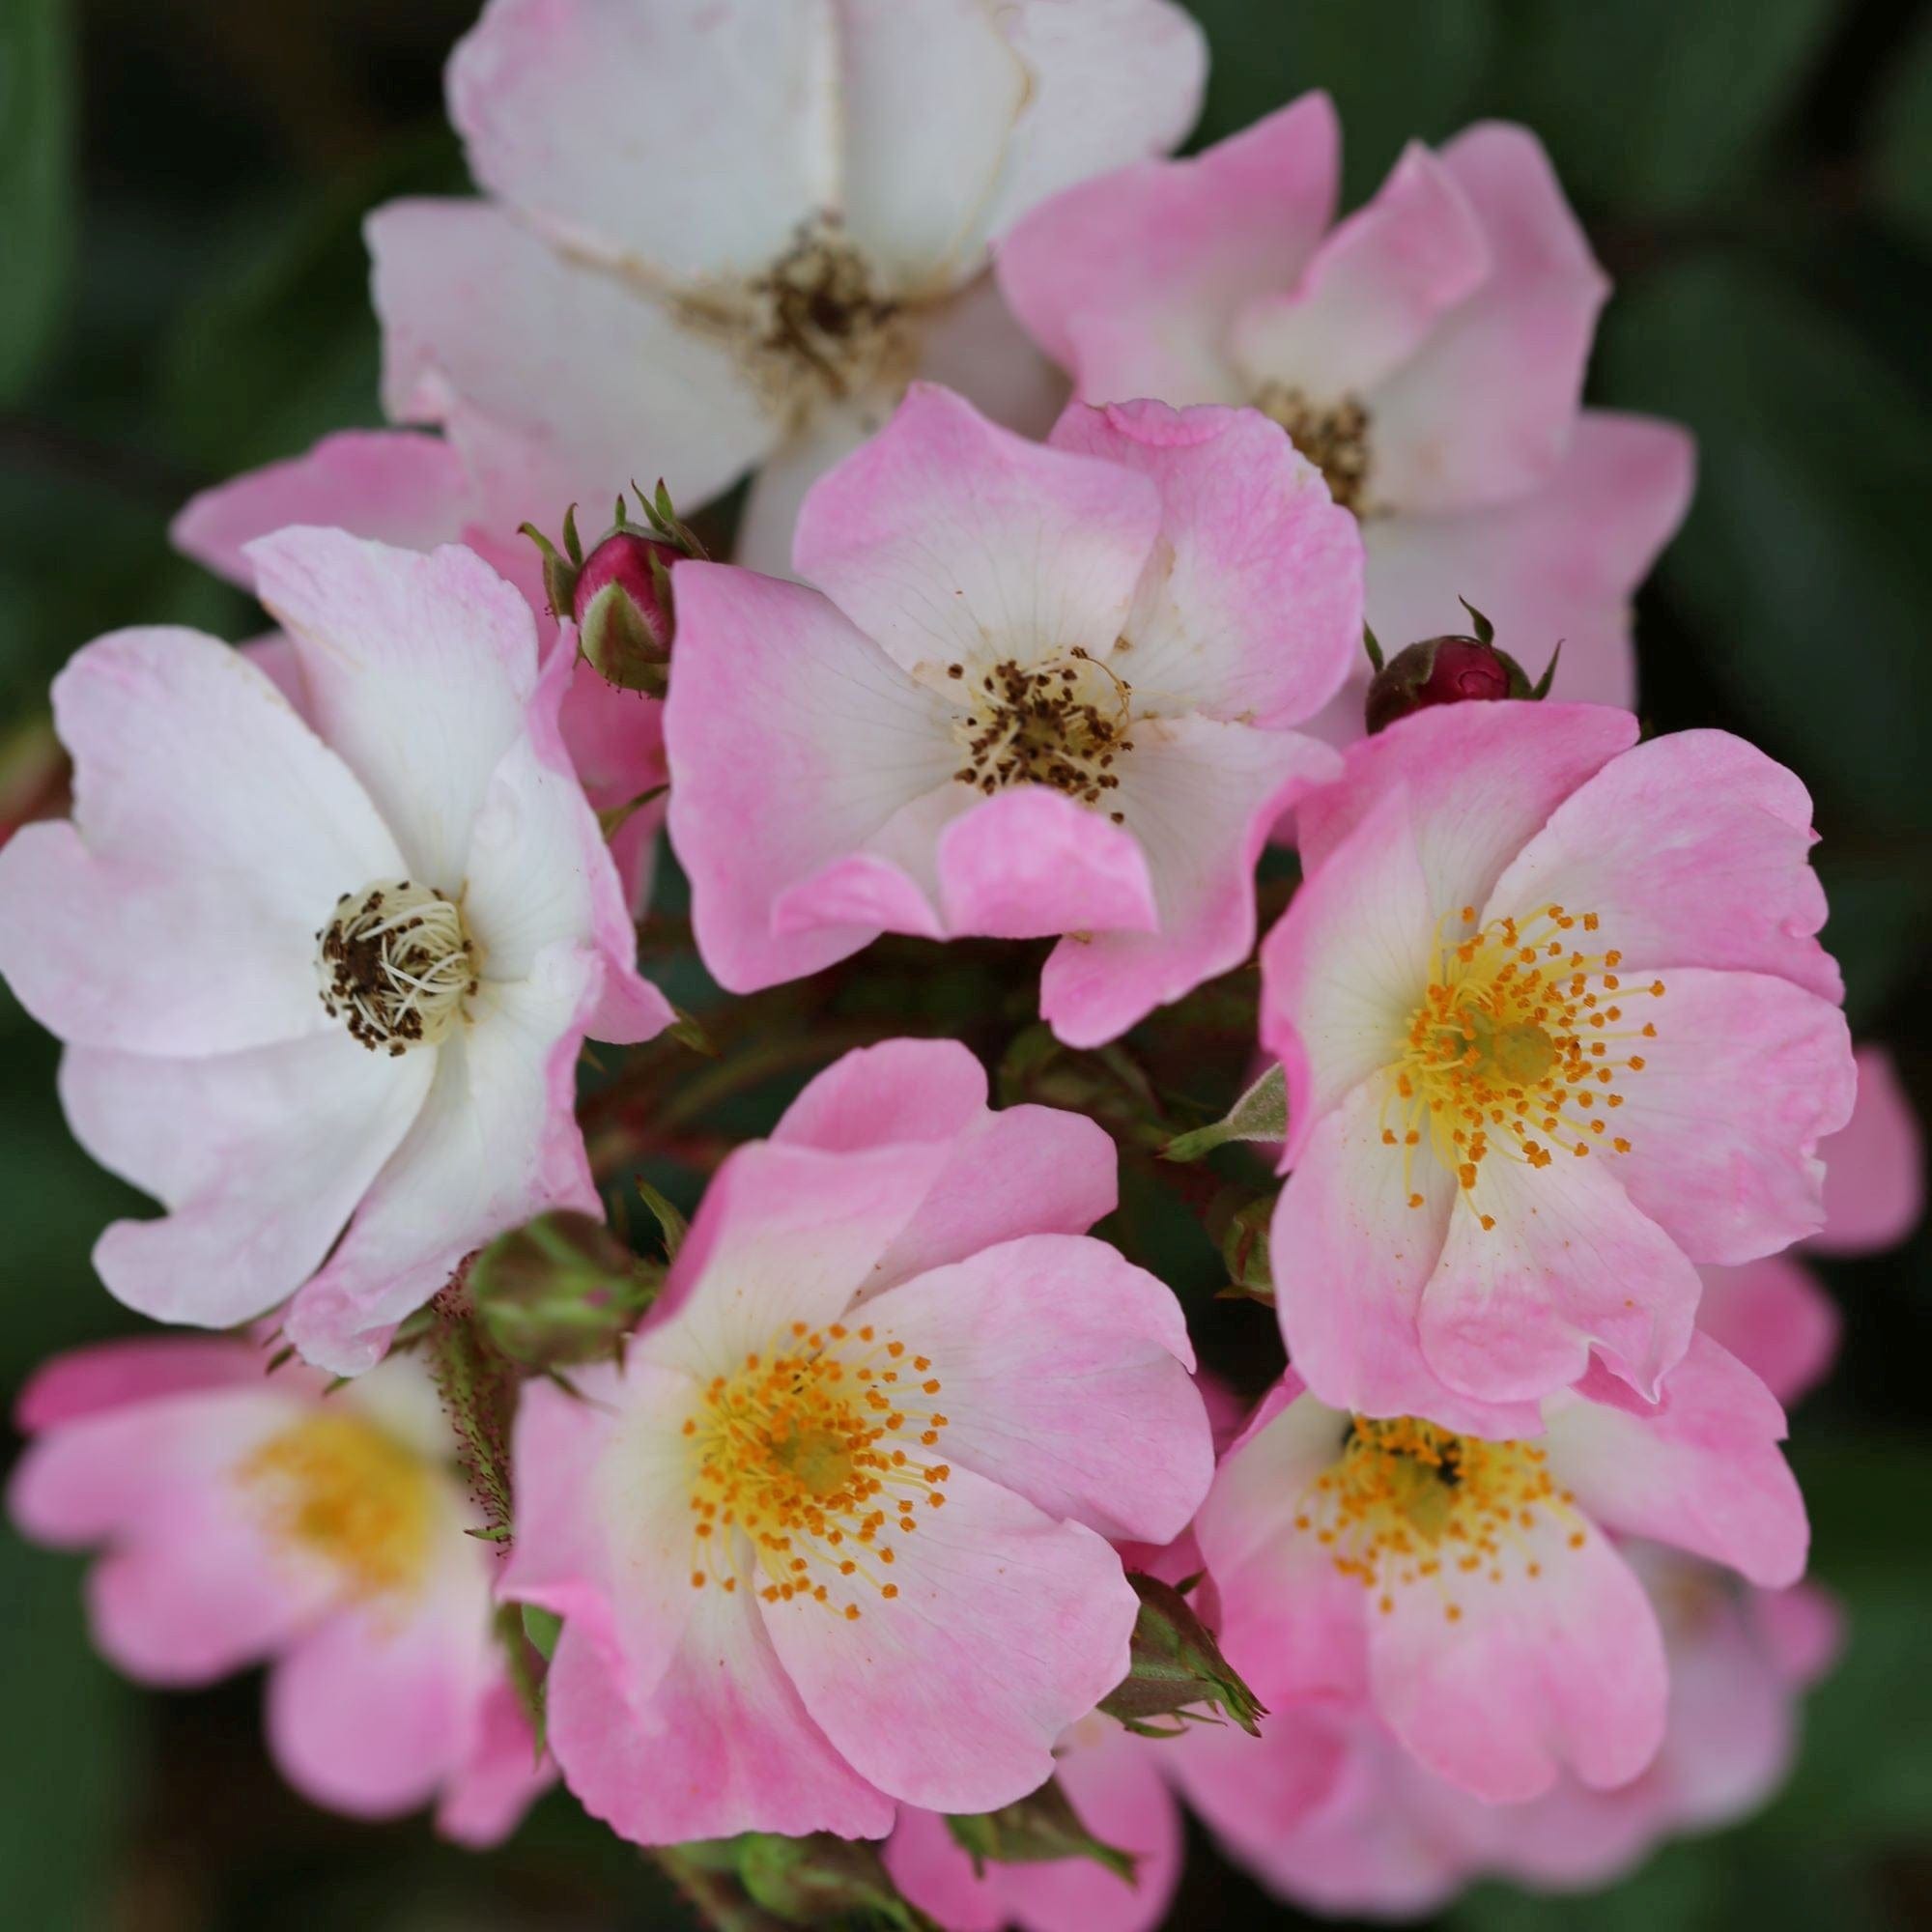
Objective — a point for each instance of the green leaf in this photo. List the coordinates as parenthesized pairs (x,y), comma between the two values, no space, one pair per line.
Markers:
(1655,105)
(1264,56)
(37,181)
(1261,1114)
(671,1223)
(1804,561)
(1038,1828)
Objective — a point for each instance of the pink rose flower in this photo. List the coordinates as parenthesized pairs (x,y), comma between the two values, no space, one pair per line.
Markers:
(1035,691)
(1555,1027)
(413,491)
(1114,1781)
(1428,353)
(835,1535)
(724,234)
(248,1518)
(1466,1587)
(324,984)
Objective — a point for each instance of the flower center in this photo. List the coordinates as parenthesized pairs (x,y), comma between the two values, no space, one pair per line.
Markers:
(811,1454)
(1408,1501)
(1333,436)
(337,1489)
(1516,1047)
(396,964)
(818,326)
(1061,724)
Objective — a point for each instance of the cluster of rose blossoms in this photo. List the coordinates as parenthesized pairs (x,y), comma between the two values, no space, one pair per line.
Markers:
(894,1496)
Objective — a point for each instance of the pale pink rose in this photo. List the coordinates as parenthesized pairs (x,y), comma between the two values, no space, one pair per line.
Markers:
(1775,1315)
(1555,1027)
(723,234)
(836,1534)
(1428,353)
(413,491)
(324,983)
(1114,1781)
(1031,690)
(250,1517)
(1467,1589)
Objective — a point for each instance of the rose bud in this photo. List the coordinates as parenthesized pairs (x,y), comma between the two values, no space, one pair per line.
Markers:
(1452,670)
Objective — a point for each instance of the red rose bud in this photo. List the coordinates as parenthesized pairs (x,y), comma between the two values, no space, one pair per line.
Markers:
(1453,669)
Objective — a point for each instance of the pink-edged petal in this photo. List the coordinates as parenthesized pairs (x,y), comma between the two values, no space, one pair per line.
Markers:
(394,484)
(1251,609)
(495,1141)
(905,1692)
(792,740)
(550,375)
(375,1710)
(538,872)
(784,478)
(1513,1311)
(1022,1171)
(1557,1666)
(1351,1259)
(928,99)
(616,745)
(935,1875)
(1777,1318)
(1747,1075)
(1691,850)
(1150,265)
(1030,863)
(865,893)
(1109,81)
(259,1157)
(1558,565)
(604,1538)
(1703,1474)
(1371,293)
(418,670)
(176,913)
(1347,965)
(951,540)
(1291,1622)
(784,1233)
(1485,409)
(577,112)
(111,1375)
(501,1775)
(1874,1165)
(1482,780)
(1199,797)
(1064,1374)
(721,1744)
(1802,1629)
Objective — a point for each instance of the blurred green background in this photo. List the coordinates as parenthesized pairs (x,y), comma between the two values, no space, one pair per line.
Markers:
(183,295)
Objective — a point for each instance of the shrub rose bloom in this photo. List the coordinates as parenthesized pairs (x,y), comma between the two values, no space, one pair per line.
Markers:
(1035,690)
(1114,1783)
(250,1517)
(725,233)
(835,1533)
(324,986)
(1555,1027)
(413,491)
(1466,1588)
(1428,353)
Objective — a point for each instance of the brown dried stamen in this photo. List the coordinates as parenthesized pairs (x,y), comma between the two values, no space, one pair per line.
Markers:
(1333,436)
(396,965)
(1061,723)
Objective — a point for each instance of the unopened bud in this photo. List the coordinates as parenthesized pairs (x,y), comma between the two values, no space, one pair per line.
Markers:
(1175,1666)
(1042,1825)
(817,1880)
(1452,670)
(560,1290)
(621,602)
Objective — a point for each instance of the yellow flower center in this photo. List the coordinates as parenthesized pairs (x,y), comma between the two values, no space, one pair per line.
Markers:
(1334,437)
(336,1489)
(1515,1048)
(1408,1502)
(812,1460)
(1061,723)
